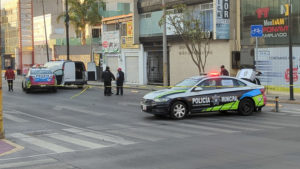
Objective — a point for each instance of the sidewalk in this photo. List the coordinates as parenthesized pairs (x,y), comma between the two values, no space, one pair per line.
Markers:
(7,147)
(283,97)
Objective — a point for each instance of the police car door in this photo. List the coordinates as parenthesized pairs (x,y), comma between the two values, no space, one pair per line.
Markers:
(205,95)
(230,91)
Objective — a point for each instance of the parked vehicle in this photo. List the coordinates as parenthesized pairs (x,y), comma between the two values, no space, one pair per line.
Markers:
(39,78)
(68,72)
(206,94)
(250,75)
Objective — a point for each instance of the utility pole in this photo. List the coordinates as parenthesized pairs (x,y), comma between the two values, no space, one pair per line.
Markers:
(291,73)
(165,52)
(46,38)
(67,30)
(1,102)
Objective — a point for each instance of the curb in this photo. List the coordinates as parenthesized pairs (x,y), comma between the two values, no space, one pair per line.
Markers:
(284,101)
(129,87)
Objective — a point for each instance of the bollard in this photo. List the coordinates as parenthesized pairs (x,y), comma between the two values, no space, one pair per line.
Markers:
(276,104)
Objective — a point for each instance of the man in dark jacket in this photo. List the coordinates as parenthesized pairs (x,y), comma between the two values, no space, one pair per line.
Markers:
(224,72)
(120,81)
(107,77)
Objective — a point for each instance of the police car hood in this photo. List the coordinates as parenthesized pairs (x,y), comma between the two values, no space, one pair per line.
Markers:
(163,93)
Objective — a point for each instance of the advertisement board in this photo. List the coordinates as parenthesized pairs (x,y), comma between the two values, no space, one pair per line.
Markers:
(274,65)
(111,42)
(221,19)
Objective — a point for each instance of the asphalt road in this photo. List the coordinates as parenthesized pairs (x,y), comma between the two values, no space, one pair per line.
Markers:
(58,130)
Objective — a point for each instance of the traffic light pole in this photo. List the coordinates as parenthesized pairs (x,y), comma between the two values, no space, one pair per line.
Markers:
(291,53)
(1,106)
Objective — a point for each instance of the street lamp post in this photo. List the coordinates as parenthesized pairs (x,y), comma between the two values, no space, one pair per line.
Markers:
(291,52)
(67,30)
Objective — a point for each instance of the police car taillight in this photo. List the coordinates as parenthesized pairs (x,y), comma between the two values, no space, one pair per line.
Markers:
(264,95)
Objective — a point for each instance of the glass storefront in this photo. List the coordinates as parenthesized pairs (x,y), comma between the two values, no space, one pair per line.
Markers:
(273,15)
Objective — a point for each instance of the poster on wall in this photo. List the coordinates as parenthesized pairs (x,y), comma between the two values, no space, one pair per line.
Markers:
(274,65)
(221,19)
(111,42)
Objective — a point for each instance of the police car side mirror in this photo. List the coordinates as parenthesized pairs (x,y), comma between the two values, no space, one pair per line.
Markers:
(198,89)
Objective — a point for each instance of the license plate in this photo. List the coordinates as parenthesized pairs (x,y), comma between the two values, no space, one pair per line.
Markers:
(43,85)
(144,107)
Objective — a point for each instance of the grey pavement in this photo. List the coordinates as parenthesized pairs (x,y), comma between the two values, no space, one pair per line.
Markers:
(92,131)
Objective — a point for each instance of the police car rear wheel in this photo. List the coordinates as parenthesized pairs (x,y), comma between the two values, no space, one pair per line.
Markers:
(178,110)
(246,107)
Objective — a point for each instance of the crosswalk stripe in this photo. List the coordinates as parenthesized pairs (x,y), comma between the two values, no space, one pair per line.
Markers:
(101,136)
(176,129)
(75,141)
(216,123)
(152,131)
(196,126)
(271,123)
(250,124)
(14,118)
(41,143)
(27,163)
(135,134)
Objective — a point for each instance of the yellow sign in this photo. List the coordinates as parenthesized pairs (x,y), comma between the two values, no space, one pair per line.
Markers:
(129,29)
(127,43)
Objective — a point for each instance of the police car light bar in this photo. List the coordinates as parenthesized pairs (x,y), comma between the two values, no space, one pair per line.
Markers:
(213,74)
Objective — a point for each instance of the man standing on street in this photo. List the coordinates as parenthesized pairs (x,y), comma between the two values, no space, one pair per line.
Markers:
(10,77)
(224,71)
(107,76)
(120,82)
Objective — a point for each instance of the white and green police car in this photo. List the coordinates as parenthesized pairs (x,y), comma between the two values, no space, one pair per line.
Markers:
(206,94)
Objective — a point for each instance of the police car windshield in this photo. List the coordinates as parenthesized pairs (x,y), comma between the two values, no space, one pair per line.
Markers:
(40,71)
(186,84)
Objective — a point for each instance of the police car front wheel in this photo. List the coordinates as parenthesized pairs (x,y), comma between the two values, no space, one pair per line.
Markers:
(246,107)
(178,110)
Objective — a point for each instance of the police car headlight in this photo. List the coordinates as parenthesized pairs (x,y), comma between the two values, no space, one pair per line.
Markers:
(161,100)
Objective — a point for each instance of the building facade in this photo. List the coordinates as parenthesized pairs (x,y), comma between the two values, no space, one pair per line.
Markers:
(272,56)
(17,34)
(220,18)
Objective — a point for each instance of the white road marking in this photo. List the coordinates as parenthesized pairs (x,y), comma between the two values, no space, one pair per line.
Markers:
(175,128)
(14,118)
(196,126)
(76,109)
(270,123)
(135,134)
(41,143)
(101,136)
(216,123)
(75,141)
(250,124)
(27,163)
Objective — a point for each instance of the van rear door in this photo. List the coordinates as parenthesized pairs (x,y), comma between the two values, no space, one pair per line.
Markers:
(69,72)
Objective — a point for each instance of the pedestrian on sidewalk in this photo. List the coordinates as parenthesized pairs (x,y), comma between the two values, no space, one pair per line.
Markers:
(107,76)
(120,82)
(224,72)
(10,77)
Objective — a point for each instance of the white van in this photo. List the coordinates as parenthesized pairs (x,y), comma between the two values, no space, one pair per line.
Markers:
(68,72)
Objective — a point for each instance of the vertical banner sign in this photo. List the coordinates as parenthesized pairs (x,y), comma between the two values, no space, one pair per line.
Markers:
(221,19)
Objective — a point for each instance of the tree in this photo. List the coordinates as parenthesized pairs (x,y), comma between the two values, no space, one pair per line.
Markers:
(188,25)
(83,13)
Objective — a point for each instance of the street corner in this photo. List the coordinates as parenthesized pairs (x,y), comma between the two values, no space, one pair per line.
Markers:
(8,147)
